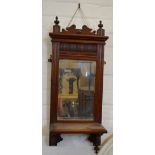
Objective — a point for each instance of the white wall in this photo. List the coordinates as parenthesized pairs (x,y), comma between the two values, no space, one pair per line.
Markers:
(94,11)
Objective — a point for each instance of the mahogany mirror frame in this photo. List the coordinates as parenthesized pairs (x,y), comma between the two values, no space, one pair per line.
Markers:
(90,48)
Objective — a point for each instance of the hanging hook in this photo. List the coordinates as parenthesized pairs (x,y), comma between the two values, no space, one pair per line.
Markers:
(50,59)
(82,14)
(74,14)
(79,5)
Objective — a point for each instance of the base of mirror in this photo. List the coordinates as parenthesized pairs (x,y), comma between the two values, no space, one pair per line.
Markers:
(54,139)
(96,140)
(94,130)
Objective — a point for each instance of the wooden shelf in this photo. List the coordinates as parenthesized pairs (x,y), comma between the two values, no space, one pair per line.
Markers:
(77,128)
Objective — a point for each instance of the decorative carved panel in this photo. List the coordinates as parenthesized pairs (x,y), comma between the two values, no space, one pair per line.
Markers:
(84,30)
(78,47)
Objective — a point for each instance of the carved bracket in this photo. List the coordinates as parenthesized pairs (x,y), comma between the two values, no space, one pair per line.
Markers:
(54,139)
(96,140)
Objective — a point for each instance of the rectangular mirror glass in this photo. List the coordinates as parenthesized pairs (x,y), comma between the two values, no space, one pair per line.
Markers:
(76,90)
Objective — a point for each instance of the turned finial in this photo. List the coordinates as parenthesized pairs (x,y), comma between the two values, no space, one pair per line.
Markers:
(56,27)
(100,25)
(100,31)
(56,21)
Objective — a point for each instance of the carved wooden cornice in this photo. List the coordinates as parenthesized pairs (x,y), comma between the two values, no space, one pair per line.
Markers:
(72,33)
(72,29)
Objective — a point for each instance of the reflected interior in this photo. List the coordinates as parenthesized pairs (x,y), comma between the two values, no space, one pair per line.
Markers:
(76,89)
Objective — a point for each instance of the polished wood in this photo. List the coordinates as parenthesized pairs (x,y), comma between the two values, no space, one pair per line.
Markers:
(77,44)
(71,128)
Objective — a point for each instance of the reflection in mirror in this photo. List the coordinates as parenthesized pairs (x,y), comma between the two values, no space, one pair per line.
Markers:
(76,89)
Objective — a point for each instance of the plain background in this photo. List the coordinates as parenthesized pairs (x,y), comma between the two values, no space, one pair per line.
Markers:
(102,10)
(21,77)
